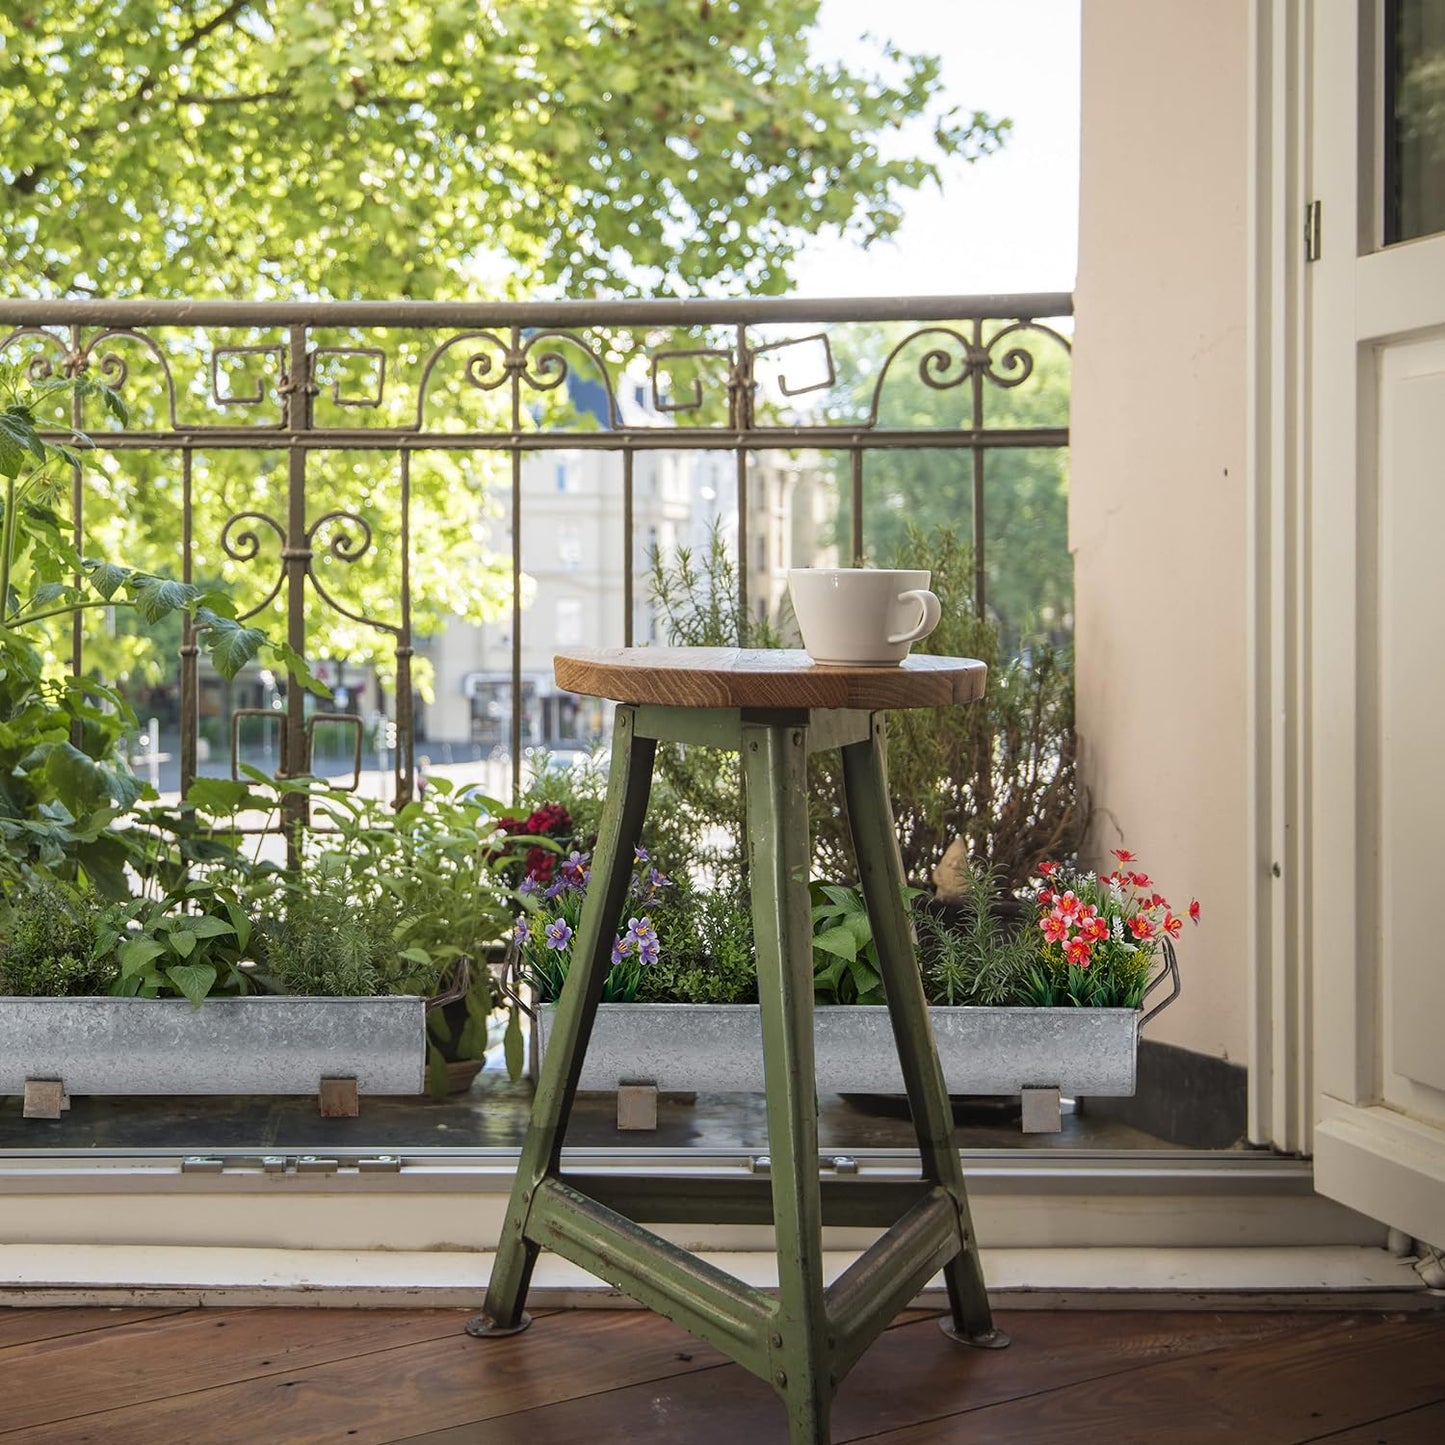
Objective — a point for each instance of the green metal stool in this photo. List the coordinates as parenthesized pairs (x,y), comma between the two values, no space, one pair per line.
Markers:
(774,708)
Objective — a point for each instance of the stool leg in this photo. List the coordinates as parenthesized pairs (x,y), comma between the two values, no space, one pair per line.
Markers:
(628,784)
(775,775)
(880,873)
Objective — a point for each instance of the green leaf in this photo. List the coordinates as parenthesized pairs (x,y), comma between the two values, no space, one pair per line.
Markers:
(192,979)
(157,597)
(204,926)
(135,953)
(217,795)
(106,577)
(229,645)
(838,941)
(183,941)
(416,955)
(512,1043)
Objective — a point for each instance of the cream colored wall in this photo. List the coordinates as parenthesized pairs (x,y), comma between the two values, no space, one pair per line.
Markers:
(1157,512)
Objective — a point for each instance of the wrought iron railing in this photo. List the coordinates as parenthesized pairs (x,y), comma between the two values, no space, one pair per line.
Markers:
(314,397)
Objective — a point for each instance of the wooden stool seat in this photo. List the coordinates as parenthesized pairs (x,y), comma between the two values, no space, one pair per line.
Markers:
(764,678)
(773,709)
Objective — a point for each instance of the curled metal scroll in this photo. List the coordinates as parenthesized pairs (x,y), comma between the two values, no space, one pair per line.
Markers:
(346,546)
(245,546)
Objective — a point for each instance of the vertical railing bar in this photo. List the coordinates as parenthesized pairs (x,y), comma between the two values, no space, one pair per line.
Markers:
(629,542)
(977,453)
(516,719)
(77,498)
(404,764)
(190,651)
(740,408)
(856,503)
(296,557)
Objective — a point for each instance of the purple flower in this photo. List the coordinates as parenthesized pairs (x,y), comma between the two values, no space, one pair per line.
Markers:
(639,855)
(528,885)
(575,870)
(521,931)
(553,889)
(647,953)
(558,932)
(621,950)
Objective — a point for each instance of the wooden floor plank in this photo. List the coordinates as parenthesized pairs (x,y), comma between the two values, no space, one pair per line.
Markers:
(405,1391)
(911,1373)
(78,1374)
(1281,1392)
(24,1326)
(1425,1426)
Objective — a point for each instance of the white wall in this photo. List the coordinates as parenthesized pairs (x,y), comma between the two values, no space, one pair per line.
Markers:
(1158,508)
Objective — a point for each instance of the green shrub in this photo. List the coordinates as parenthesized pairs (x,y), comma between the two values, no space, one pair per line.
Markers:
(51,944)
(707,951)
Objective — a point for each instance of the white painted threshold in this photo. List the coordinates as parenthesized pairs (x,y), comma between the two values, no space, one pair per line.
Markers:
(1342,1277)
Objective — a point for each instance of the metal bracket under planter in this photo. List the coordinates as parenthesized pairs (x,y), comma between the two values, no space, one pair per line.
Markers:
(334,1048)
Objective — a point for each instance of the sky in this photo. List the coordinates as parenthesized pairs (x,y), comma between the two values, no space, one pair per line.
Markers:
(1010,221)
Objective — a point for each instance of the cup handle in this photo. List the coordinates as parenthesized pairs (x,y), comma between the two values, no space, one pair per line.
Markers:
(932,613)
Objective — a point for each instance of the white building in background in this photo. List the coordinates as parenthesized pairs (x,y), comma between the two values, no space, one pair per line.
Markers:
(572,539)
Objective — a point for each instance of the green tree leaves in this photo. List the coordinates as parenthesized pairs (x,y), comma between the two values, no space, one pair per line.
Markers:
(246,146)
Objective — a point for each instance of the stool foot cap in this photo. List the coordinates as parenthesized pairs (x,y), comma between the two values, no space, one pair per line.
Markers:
(483,1327)
(985,1340)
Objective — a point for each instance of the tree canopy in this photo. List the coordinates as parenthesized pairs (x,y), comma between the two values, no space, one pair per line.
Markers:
(443,148)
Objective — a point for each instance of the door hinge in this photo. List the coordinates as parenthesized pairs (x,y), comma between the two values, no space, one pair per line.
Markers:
(1312,231)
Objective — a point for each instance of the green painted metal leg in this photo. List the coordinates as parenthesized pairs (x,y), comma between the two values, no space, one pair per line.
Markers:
(880,871)
(628,784)
(775,774)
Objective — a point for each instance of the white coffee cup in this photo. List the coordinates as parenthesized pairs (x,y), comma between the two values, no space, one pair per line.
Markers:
(855,615)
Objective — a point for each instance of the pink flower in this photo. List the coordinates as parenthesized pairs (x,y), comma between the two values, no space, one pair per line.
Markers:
(1068,904)
(1078,950)
(1172,925)
(1194,910)
(1055,927)
(1123,855)
(1140,926)
(1093,926)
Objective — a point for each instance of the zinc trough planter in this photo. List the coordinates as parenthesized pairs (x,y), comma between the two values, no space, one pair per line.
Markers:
(336,1048)
(1038,1053)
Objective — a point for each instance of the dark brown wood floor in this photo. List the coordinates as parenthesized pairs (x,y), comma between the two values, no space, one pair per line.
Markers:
(272,1376)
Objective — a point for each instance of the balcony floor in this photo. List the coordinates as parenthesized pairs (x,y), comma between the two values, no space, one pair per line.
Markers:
(305,1375)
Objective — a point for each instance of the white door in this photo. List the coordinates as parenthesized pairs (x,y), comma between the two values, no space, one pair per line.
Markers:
(1375,556)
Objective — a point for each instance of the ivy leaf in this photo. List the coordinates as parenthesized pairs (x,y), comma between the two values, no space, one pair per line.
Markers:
(229,644)
(157,597)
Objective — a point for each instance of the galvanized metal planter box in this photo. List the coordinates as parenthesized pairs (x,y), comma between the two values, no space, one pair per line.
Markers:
(718,1048)
(263,1044)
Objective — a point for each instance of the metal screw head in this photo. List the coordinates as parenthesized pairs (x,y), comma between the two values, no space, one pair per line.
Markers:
(776,1341)
(780,1379)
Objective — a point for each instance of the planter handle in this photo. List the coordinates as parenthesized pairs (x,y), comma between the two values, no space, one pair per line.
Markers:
(1169,971)
(458,987)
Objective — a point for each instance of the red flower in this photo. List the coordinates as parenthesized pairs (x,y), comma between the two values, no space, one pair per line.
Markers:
(1078,950)
(1055,926)
(1093,926)
(1048,870)
(1141,880)
(1140,926)
(1068,904)
(1194,910)
(1046,897)
(1172,925)
(1123,855)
